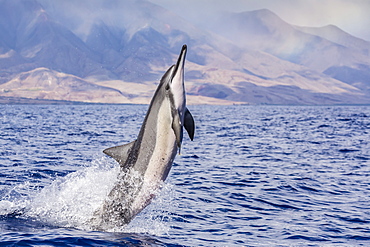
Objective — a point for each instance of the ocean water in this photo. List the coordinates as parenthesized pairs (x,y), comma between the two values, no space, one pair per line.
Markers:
(253,176)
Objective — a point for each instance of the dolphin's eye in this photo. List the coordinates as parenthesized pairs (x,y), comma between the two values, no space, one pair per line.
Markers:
(168,86)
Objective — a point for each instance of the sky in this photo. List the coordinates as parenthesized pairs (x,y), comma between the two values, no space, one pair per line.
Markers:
(352,16)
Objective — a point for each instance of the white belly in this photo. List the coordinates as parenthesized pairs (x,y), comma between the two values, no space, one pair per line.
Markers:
(162,157)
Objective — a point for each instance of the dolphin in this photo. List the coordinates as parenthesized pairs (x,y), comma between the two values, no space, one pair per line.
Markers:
(146,162)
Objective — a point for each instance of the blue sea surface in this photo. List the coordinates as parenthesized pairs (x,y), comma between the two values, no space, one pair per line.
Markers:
(253,176)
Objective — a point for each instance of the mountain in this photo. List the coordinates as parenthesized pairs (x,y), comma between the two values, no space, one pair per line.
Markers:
(118,54)
(328,50)
(264,30)
(43,83)
(337,35)
(356,74)
(35,40)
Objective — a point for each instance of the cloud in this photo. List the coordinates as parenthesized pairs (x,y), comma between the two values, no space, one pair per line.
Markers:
(350,15)
(80,15)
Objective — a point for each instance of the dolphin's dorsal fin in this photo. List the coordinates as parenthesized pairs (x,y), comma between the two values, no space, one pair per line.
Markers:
(189,123)
(119,153)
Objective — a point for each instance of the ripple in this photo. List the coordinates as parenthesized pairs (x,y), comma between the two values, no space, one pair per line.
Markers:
(268,175)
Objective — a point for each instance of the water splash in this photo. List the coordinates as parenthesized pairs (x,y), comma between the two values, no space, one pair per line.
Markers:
(16,199)
(71,201)
(157,217)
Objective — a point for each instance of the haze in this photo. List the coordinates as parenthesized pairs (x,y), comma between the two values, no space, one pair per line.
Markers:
(105,51)
(350,15)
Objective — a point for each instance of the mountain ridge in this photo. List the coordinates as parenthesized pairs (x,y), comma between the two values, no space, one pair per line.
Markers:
(138,51)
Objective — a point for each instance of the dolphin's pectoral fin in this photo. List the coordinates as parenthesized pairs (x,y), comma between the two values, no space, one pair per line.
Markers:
(119,153)
(189,123)
(176,126)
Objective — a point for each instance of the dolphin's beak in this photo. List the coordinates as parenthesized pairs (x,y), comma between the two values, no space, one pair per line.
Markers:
(178,74)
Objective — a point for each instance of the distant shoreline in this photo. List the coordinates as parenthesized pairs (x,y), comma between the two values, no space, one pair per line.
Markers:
(26,101)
